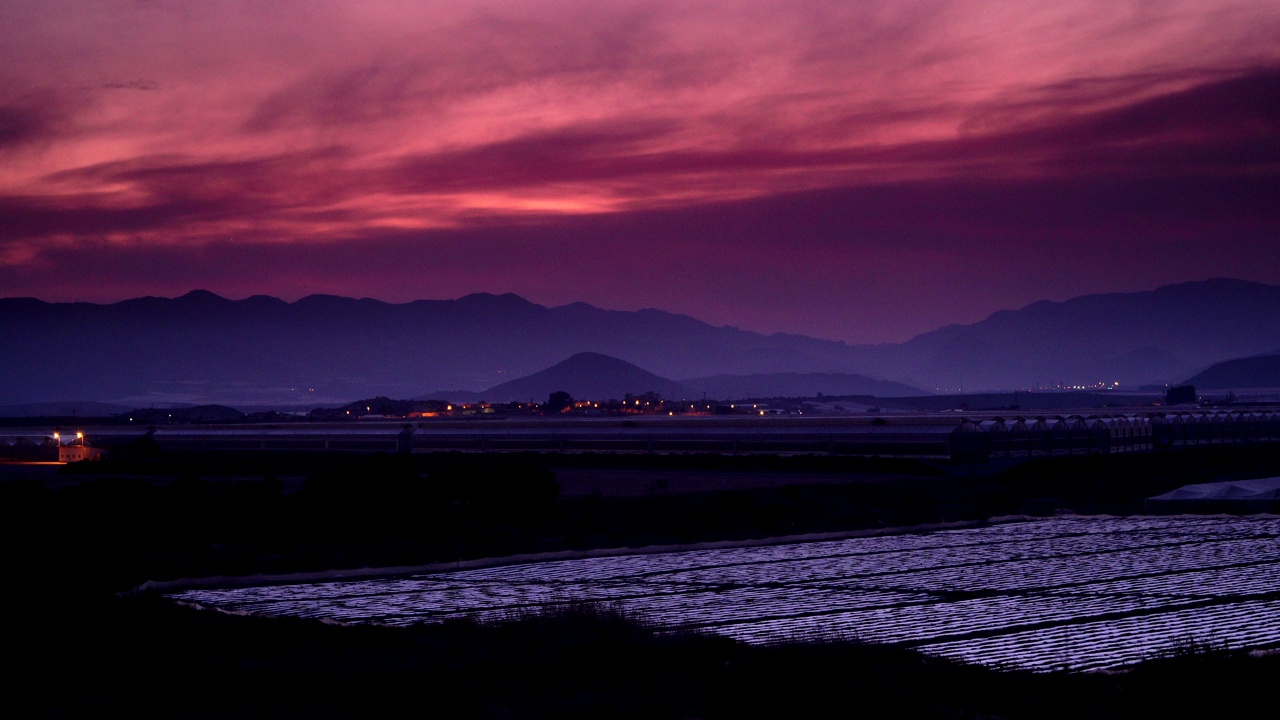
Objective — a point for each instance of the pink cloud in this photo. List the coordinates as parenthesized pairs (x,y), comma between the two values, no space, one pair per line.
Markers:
(499,140)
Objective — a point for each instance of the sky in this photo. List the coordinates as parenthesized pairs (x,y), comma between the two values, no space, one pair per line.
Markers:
(856,170)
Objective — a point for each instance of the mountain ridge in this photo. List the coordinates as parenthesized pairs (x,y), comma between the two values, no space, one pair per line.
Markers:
(762,385)
(1161,334)
(203,348)
(156,349)
(1259,371)
(587,375)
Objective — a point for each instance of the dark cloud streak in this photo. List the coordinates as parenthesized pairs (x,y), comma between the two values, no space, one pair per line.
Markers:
(772,165)
(1115,166)
(32,120)
(822,246)
(1222,127)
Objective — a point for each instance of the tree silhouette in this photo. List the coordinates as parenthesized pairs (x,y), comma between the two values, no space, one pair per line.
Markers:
(558,402)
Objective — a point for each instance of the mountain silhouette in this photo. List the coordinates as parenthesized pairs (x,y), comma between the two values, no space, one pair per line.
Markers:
(1253,372)
(761,385)
(589,376)
(261,351)
(1131,338)
(202,348)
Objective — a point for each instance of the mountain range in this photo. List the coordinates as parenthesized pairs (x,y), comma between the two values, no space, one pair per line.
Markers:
(1159,336)
(202,348)
(584,375)
(600,377)
(1253,373)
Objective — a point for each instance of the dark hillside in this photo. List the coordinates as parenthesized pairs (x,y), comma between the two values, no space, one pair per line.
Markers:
(589,376)
(203,349)
(1130,338)
(1253,372)
(794,385)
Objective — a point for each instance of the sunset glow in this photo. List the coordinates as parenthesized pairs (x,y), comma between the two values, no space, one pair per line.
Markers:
(776,166)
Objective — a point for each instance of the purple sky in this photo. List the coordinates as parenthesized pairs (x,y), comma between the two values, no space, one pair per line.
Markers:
(862,171)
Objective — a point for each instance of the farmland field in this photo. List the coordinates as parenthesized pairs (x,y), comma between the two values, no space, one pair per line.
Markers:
(1075,593)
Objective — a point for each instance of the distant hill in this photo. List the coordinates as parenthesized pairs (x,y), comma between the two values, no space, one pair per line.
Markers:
(1160,335)
(601,377)
(587,375)
(201,348)
(761,385)
(458,396)
(194,414)
(323,350)
(83,408)
(1251,372)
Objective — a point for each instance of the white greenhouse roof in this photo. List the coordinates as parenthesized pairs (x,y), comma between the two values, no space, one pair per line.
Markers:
(1261,489)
